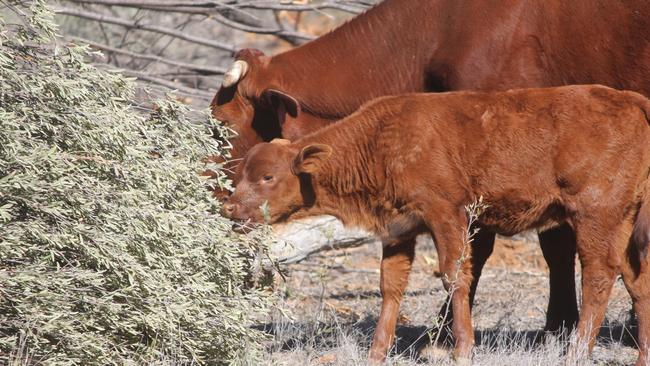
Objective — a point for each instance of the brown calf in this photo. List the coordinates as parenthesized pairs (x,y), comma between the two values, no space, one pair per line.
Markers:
(409,164)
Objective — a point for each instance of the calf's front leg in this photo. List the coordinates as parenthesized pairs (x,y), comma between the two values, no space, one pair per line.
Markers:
(396,261)
(482,247)
(454,257)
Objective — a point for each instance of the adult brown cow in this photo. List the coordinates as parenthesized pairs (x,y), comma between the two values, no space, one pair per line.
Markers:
(442,45)
(409,164)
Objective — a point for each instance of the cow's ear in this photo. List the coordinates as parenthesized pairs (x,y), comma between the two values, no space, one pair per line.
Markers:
(311,158)
(282,103)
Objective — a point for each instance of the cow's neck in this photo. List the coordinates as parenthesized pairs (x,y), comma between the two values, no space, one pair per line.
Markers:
(381,52)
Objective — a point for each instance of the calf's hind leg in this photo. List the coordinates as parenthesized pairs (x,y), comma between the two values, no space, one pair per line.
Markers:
(597,243)
(396,261)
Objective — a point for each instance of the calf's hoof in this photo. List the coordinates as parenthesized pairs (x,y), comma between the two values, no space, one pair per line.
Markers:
(462,361)
(434,354)
(376,358)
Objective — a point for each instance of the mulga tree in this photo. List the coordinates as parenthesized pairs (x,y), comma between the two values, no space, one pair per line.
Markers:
(111,249)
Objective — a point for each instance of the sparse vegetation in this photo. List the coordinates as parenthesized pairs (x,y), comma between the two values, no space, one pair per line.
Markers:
(333,303)
(111,249)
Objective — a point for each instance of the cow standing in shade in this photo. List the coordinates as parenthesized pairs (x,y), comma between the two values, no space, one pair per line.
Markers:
(403,46)
(405,165)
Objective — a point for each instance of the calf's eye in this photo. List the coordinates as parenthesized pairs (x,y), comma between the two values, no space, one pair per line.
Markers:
(267,178)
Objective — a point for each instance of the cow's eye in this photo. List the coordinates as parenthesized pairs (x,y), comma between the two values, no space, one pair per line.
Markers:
(267,178)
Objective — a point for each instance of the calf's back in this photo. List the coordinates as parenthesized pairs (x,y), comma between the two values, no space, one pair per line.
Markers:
(536,155)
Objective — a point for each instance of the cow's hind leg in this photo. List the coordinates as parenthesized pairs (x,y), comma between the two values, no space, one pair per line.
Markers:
(638,286)
(559,249)
(396,261)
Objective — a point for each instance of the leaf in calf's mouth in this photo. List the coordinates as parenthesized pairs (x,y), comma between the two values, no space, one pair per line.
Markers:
(243,226)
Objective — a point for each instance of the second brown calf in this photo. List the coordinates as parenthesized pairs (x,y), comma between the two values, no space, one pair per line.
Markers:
(405,165)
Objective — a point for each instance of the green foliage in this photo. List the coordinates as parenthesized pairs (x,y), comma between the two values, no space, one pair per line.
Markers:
(111,249)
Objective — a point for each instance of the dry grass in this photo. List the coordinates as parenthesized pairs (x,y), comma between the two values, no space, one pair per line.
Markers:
(333,302)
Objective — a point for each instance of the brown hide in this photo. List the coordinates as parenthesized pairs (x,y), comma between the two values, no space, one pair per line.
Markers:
(403,46)
(409,164)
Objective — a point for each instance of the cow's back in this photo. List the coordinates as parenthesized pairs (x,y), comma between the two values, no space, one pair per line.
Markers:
(407,46)
(523,44)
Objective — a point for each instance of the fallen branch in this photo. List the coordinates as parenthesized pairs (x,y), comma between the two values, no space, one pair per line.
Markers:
(338,268)
(321,247)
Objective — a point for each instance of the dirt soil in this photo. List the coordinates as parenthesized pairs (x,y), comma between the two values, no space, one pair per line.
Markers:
(331,304)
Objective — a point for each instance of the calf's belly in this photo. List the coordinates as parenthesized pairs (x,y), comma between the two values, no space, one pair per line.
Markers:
(511,216)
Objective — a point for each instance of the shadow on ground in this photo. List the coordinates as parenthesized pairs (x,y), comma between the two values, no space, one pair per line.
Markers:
(410,340)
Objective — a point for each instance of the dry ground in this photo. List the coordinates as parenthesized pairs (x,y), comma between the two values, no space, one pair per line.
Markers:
(332,302)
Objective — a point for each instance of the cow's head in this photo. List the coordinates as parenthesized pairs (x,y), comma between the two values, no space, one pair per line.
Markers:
(276,175)
(251,102)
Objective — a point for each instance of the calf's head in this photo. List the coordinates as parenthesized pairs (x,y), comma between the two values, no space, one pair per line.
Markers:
(277,175)
(251,102)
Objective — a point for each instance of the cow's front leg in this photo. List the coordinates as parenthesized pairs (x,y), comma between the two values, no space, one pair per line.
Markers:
(454,255)
(396,261)
(559,249)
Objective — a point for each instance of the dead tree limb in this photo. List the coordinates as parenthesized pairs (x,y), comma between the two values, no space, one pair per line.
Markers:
(303,253)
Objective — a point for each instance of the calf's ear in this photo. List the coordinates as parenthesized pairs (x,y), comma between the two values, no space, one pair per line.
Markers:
(310,159)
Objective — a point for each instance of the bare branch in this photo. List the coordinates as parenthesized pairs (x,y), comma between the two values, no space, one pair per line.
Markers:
(212,12)
(147,27)
(207,70)
(138,50)
(274,5)
(246,28)
(261,5)
(169,84)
